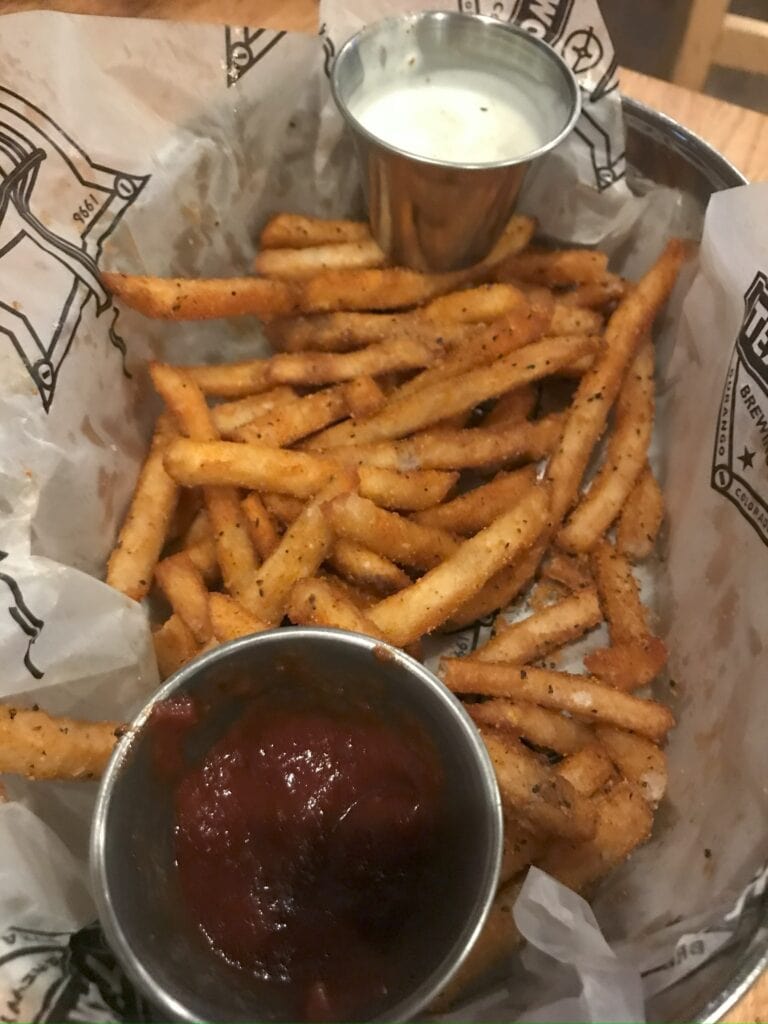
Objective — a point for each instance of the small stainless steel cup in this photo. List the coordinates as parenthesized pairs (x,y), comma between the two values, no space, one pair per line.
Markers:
(425,213)
(134,878)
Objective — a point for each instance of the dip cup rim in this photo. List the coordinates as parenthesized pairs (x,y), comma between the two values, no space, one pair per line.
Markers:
(424,991)
(490,23)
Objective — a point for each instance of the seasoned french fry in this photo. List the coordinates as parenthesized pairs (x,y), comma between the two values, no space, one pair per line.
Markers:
(364,397)
(174,646)
(319,602)
(514,407)
(625,458)
(343,332)
(405,492)
(363,567)
(587,769)
(188,508)
(629,665)
(40,746)
(476,509)
(500,590)
(228,416)
(200,527)
(640,518)
(520,848)
(479,305)
(597,294)
(581,696)
(328,367)
(232,380)
(538,634)
(570,570)
(638,759)
(515,237)
(389,534)
(132,563)
(554,269)
(426,604)
(230,619)
(532,791)
(548,729)
(182,584)
(202,555)
(575,320)
(264,536)
(619,594)
(291,230)
(388,288)
(289,423)
(292,263)
(178,298)
(283,507)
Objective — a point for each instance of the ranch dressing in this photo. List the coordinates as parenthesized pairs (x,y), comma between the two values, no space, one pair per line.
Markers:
(455,116)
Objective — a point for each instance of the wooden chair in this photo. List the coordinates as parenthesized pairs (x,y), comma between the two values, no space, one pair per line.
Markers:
(713,36)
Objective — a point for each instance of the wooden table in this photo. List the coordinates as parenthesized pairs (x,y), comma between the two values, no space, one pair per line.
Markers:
(740,135)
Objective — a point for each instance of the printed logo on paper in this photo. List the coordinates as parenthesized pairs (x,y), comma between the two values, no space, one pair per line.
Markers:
(28,623)
(740,461)
(245,47)
(57,207)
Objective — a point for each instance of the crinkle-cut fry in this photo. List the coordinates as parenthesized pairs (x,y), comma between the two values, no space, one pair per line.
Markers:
(313,368)
(641,518)
(426,604)
(379,288)
(543,631)
(474,448)
(186,401)
(638,759)
(458,394)
(294,231)
(584,697)
(587,769)
(180,298)
(388,534)
(41,746)
(302,550)
(292,264)
(494,945)
(596,294)
(231,620)
(570,570)
(562,267)
(483,304)
(359,565)
(597,391)
(619,594)
(629,665)
(132,563)
(575,320)
(514,407)
(484,344)
(531,790)
(475,509)
(364,397)
(319,602)
(228,416)
(174,646)
(182,583)
(281,427)
(514,238)
(203,556)
(264,535)
(624,821)
(548,729)
(625,457)
(232,380)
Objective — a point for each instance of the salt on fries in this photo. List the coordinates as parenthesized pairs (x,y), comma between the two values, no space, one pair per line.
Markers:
(379,474)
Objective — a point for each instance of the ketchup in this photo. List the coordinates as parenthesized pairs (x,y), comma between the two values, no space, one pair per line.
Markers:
(303,839)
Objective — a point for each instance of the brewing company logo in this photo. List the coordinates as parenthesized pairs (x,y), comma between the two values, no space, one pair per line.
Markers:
(740,460)
(245,47)
(29,623)
(47,178)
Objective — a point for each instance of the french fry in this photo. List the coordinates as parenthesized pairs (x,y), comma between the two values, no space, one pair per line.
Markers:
(624,821)
(228,416)
(555,269)
(426,604)
(388,288)
(575,320)
(40,746)
(548,729)
(230,619)
(132,563)
(596,294)
(514,238)
(289,264)
(232,380)
(307,368)
(532,791)
(476,509)
(479,305)
(202,554)
(538,634)
(264,536)
(183,586)
(389,534)
(319,602)
(514,407)
(476,448)
(570,570)
(363,567)
(581,696)
(638,759)
(459,394)
(188,508)
(405,492)
(619,595)
(500,590)
(364,397)
(178,298)
(174,646)
(344,332)
(587,769)
(291,230)
(625,458)
(544,594)
(629,665)
(200,527)
(281,427)
(283,507)
(520,849)
(640,518)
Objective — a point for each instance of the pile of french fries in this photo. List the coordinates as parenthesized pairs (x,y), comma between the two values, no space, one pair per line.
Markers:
(413,459)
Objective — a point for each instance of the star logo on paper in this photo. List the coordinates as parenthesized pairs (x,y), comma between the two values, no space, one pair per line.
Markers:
(746,458)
